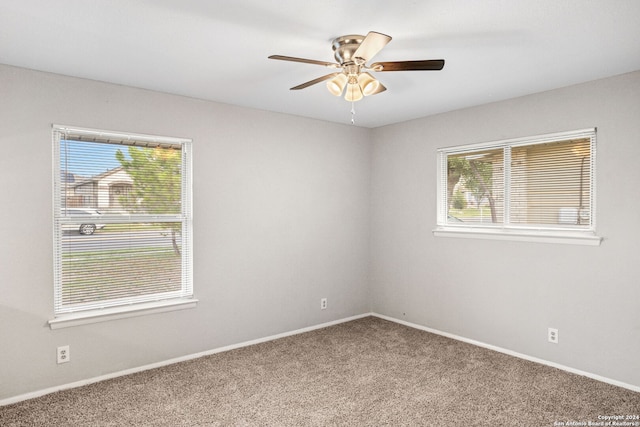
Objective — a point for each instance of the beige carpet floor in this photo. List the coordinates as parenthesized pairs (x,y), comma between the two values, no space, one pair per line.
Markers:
(368,372)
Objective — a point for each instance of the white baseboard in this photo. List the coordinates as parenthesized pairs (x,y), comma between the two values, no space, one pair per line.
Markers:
(32,395)
(513,353)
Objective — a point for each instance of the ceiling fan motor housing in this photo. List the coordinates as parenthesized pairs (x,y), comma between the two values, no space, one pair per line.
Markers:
(344,47)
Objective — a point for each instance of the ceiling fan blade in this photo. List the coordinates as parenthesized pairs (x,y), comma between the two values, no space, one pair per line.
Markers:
(371,45)
(314,81)
(428,64)
(306,61)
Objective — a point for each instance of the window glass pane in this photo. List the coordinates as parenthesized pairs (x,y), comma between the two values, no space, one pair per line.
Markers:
(475,187)
(132,261)
(120,178)
(550,183)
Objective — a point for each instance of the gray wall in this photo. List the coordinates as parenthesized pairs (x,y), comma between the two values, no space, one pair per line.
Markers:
(508,293)
(288,210)
(281,219)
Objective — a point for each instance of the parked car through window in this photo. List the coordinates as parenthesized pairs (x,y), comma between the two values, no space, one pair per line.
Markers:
(88,220)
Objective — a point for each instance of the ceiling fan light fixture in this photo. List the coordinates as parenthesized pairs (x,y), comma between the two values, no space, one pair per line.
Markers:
(368,84)
(353,53)
(354,92)
(336,85)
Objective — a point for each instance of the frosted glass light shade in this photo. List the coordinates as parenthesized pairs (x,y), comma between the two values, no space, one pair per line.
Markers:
(336,84)
(368,84)
(354,93)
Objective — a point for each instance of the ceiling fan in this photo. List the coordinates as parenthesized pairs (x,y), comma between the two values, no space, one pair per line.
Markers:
(353,52)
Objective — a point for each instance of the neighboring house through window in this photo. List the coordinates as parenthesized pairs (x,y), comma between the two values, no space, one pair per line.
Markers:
(526,188)
(103,191)
(122,221)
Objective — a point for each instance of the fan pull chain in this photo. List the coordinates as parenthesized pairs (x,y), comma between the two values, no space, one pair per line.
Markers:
(353,113)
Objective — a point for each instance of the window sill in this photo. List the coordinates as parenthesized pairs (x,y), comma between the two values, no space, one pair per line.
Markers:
(572,238)
(115,313)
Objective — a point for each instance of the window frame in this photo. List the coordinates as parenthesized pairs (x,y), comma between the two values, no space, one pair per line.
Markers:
(129,305)
(505,230)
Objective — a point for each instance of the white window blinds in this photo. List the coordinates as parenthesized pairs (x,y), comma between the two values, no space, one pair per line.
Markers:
(122,219)
(538,183)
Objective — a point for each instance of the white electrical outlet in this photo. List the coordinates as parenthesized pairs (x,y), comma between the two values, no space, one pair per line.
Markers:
(63,354)
(552,335)
(323,304)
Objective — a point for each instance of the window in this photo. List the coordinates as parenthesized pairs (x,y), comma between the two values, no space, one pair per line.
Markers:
(122,221)
(527,188)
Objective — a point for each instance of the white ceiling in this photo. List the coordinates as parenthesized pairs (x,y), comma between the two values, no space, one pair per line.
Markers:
(217,49)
